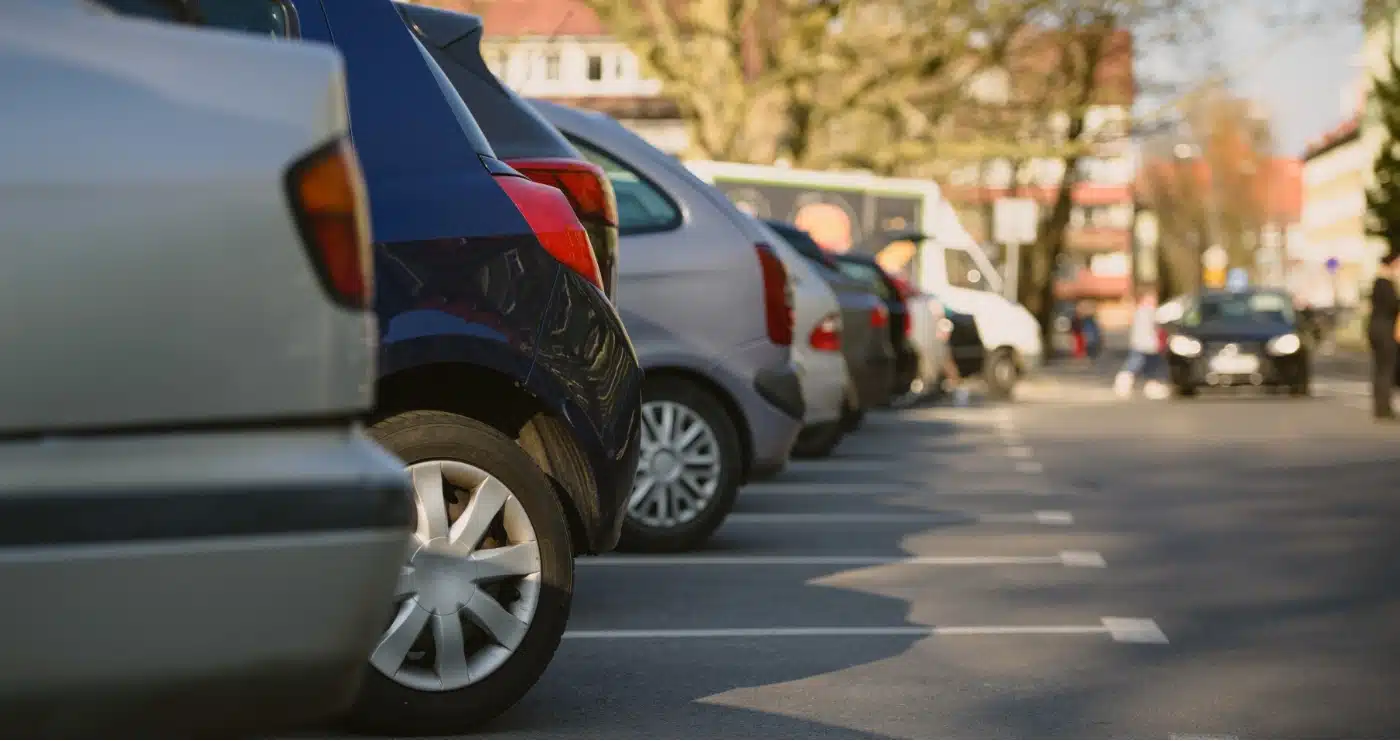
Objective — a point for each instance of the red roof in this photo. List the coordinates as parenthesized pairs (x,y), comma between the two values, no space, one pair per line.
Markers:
(529,17)
(1341,134)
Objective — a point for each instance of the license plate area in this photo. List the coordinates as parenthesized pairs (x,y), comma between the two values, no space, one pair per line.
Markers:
(1234,364)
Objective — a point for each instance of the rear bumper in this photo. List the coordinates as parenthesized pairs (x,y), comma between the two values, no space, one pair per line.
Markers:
(206,583)
(781,388)
(774,418)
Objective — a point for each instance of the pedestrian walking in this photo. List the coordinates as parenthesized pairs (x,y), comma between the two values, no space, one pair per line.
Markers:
(1384,334)
(1144,351)
(1076,333)
(1093,334)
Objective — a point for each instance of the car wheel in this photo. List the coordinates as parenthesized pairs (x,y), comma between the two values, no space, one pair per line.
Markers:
(1301,389)
(1184,391)
(689,472)
(484,597)
(1001,374)
(818,441)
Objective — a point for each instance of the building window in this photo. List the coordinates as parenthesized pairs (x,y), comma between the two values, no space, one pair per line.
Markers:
(595,67)
(620,67)
(551,66)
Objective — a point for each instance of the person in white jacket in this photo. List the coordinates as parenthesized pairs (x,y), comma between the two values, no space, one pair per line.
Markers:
(1144,350)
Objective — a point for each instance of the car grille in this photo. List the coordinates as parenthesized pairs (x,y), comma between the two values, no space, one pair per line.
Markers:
(1245,348)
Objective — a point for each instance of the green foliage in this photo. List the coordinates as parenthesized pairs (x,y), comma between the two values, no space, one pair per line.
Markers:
(1383,198)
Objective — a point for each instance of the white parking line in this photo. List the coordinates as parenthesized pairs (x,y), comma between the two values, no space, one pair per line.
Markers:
(961,463)
(1134,630)
(1186,736)
(1069,559)
(850,632)
(1040,517)
(833,488)
(1019,451)
(1029,467)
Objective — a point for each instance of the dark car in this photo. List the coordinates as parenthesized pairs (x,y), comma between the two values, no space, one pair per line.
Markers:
(506,381)
(906,356)
(519,135)
(1239,338)
(866,334)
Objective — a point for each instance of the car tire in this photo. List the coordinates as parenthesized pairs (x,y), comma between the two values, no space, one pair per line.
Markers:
(455,444)
(1001,374)
(688,405)
(1301,389)
(1184,391)
(818,441)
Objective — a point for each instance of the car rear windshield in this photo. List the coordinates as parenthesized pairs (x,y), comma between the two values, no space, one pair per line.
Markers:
(454,101)
(262,17)
(870,276)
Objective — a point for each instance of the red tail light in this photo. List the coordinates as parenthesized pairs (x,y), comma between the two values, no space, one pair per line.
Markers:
(777,304)
(880,317)
(583,183)
(902,287)
(555,224)
(327,195)
(826,336)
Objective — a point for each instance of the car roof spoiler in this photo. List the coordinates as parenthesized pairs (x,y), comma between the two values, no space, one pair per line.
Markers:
(441,27)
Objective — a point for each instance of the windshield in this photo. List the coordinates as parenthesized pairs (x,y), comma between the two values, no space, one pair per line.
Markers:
(1271,308)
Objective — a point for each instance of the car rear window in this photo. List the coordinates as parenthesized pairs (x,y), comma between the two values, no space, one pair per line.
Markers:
(262,17)
(641,206)
(454,101)
(870,276)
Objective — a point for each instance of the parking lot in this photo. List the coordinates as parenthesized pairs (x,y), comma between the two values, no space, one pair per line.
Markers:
(1053,568)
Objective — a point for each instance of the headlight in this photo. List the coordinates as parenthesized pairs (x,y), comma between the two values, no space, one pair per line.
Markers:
(1285,344)
(1184,346)
(945,326)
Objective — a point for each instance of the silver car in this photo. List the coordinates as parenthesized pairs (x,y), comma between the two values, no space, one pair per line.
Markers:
(195,535)
(706,303)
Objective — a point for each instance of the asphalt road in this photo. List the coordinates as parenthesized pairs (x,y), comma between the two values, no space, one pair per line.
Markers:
(1070,565)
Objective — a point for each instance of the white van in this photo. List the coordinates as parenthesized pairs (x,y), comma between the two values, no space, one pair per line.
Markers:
(853,211)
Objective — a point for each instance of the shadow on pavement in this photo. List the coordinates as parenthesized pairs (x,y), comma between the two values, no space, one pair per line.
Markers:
(1273,566)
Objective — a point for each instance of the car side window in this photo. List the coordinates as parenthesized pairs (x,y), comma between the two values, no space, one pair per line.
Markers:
(262,17)
(641,207)
(963,271)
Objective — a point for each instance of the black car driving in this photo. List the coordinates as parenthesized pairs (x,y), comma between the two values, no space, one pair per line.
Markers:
(1239,338)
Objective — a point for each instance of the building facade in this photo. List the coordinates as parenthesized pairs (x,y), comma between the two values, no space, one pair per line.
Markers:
(1336,171)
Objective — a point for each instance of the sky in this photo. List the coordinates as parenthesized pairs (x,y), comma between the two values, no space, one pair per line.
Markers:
(1301,83)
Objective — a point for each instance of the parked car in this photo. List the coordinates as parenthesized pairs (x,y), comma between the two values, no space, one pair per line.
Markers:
(961,275)
(913,329)
(518,134)
(707,305)
(505,381)
(816,351)
(865,323)
(1248,338)
(196,536)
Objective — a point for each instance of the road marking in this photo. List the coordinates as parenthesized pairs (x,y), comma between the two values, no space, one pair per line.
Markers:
(1134,630)
(1042,517)
(1187,736)
(1029,467)
(836,488)
(846,632)
(962,463)
(1018,451)
(1069,559)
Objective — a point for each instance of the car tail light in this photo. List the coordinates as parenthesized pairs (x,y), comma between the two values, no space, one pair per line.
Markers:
(583,183)
(555,224)
(902,288)
(826,336)
(328,199)
(777,301)
(880,317)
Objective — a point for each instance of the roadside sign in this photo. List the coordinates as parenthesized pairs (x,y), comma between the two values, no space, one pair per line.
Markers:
(1014,220)
(1237,279)
(1215,258)
(1333,264)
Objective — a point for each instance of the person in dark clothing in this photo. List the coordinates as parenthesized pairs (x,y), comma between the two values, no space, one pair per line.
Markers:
(1384,334)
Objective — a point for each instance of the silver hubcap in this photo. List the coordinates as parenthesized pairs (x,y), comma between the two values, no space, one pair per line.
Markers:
(679,469)
(469,590)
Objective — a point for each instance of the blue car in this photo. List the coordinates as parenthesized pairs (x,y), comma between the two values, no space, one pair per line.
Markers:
(507,382)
